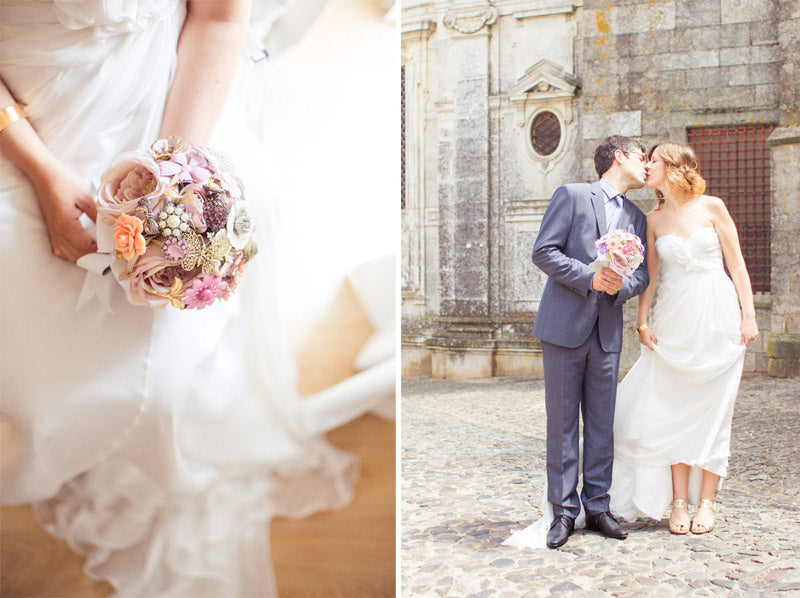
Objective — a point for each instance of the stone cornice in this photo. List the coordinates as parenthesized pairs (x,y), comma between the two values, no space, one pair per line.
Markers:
(420,29)
(784,136)
(452,14)
(566,8)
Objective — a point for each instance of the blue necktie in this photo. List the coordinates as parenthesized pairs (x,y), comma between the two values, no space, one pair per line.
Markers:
(613,211)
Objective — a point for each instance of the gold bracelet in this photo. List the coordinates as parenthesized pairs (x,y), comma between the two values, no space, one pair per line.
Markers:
(642,327)
(11,114)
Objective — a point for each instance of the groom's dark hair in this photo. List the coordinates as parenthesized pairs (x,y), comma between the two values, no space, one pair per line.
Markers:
(604,154)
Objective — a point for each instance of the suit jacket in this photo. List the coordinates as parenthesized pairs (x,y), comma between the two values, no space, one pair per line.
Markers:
(574,220)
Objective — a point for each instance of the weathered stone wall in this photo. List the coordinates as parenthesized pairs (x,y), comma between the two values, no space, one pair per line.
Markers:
(644,68)
(475,199)
(652,68)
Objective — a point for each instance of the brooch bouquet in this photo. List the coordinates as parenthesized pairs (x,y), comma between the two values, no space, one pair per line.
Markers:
(181,231)
(620,250)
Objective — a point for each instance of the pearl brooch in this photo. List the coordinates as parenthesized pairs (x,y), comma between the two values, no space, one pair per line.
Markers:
(173,220)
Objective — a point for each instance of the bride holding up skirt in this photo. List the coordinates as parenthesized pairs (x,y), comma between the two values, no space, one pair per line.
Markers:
(156,442)
(672,428)
(676,404)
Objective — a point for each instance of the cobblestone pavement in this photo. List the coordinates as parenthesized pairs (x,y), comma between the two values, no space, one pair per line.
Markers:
(473,470)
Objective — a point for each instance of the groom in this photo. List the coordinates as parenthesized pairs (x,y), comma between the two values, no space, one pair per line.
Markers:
(580,325)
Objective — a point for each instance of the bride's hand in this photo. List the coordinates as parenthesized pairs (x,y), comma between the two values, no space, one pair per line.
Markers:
(648,338)
(64,196)
(749,331)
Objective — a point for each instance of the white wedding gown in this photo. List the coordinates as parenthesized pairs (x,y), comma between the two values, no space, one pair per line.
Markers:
(675,405)
(158,443)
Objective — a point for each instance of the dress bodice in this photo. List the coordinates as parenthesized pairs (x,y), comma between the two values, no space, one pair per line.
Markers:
(93,74)
(107,17)
(699,252)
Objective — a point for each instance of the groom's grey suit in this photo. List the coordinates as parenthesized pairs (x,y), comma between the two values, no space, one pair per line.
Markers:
(581,334)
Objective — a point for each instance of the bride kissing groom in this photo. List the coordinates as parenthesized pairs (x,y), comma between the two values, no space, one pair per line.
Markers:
(665,432)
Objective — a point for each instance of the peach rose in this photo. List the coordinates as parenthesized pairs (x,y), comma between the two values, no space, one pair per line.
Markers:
(128,238)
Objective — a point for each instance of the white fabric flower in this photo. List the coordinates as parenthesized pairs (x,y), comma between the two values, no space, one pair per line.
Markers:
(239,226)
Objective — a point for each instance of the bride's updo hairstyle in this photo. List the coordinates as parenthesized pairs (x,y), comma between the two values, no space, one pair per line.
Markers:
(682,171)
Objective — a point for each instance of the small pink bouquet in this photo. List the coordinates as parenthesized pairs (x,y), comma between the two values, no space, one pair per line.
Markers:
(620,250)
(176,225)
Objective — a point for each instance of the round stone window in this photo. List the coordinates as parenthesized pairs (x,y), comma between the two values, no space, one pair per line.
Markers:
(545,133)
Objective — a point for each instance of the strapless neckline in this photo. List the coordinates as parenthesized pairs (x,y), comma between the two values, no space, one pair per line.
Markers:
(687,239)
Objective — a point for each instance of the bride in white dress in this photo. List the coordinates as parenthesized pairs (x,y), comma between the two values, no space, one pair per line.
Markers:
(672,422)
(672,425)
(158,443)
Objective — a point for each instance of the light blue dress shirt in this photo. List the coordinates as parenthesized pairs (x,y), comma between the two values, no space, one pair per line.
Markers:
(613,203)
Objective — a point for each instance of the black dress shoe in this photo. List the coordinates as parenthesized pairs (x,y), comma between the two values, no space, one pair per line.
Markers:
(607,525)
(560,530)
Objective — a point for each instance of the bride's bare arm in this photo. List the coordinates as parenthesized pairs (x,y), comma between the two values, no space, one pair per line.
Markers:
(63,195)
(209,51)
(732,251)
(645,300)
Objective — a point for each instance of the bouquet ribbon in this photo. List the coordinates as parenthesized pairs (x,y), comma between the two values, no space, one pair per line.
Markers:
(99,281)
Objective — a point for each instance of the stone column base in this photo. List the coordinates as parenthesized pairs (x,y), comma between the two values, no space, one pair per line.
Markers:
(783,354)
(471,347)
(465,359)
(415,360)
(518,358)
(461,359)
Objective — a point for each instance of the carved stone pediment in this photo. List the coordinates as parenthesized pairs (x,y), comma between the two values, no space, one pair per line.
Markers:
(545,80)
(544,88)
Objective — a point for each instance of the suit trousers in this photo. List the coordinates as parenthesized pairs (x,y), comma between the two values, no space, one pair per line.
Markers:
(580,382)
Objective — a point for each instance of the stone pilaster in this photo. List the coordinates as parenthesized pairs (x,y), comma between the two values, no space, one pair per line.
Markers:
(784,342)
(783,348)
(464,185)
(462,346)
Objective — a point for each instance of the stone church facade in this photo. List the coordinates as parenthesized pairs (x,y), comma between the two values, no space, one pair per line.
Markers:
(504,101)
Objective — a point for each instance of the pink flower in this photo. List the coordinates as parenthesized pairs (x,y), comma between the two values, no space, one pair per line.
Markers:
(619,263)
(192,199)
(132,177)
(230,185)
(136,184)
(128,238)
(204,291)
(148,275)
(186,168)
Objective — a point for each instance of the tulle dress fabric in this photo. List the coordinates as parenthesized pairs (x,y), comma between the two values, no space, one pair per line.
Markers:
(159,443)
(675,405)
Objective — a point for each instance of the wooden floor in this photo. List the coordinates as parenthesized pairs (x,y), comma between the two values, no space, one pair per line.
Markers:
(350,552)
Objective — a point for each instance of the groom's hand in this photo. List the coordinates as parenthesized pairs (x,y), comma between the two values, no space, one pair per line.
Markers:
(606,280)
